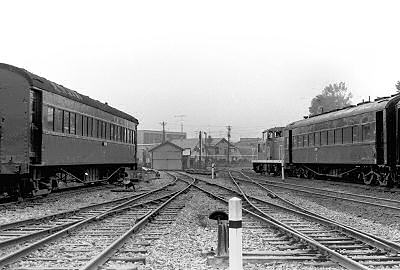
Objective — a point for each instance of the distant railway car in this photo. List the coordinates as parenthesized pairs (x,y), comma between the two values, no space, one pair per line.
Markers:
(358,142)
(271,148)
(50,134)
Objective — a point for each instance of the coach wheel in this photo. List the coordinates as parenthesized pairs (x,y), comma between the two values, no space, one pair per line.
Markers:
(370,179)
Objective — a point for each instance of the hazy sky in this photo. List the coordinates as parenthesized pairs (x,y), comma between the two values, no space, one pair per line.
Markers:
(248,64)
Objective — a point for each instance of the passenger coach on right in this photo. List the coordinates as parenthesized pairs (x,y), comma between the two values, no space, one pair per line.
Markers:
(358,142)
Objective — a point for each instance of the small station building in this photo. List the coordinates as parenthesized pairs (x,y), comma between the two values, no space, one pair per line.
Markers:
(167,156)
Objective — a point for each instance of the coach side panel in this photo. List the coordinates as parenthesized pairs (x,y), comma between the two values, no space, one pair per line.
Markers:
(14,117)
(61,146)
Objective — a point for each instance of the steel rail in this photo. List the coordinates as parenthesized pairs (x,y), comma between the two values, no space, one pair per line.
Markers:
(7,259)
(395,247)
(324,190)
(111,249)
(70,212)
(337,257)
(282,186)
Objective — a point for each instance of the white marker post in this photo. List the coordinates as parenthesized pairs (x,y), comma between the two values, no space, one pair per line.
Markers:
(283,169)
(212,170)
(235,234)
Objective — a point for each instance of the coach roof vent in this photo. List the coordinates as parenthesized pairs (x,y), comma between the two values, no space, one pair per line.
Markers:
(380,98)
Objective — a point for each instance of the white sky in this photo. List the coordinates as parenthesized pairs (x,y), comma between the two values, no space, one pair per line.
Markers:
(248,64)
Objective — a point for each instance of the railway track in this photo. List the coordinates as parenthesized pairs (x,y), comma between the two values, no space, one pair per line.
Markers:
(343,244)
(325,193)
(20,238)
(95,244)
(277,245)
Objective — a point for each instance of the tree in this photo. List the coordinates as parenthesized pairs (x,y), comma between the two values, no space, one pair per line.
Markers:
(398,86)
(333,97)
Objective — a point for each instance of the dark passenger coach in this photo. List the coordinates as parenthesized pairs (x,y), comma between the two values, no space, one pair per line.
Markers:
(51,135)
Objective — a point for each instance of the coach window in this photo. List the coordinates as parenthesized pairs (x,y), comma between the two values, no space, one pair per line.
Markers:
(324,137)
(100,131)
(58,118)
(294,141)
(103,128)
(356,133)
(50,118)
(117,133)
(316,138)
(311,139)
(79,124)
(338,136)
(66,122)
(366,133)
(331,137)
(84,124)
(96,128)
(347,135)
(106,130)
(305,140)
(111,132)
(90,127)
(72,123)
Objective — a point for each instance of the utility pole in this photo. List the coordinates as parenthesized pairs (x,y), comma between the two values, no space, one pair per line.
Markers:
(229,141)
(181,116)
(200,149)
(163,131)
(205,149)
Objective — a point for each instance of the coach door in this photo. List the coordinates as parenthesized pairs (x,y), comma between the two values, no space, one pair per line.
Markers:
(290,146)
(379,138)
(35,126)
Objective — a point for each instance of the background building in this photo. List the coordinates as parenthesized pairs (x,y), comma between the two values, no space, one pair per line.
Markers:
(166,156)
(248,149)
(147,139)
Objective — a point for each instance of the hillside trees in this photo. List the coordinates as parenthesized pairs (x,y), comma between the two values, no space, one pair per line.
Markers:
(334,96)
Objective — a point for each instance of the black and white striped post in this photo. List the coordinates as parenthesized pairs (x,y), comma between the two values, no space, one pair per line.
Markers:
(235,234)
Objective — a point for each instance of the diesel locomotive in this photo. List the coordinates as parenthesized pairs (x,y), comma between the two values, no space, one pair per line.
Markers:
(360,142)
(51,136)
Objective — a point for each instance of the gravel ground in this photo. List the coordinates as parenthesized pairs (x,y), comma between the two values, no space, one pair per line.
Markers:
(375,220)
(65,202)
(376,191)
(366,218)
(193,236)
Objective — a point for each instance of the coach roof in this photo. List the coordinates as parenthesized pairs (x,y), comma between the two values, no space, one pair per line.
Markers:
(347,112)
(44,84)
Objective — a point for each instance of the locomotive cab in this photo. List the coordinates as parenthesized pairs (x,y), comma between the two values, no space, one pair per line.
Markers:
(270,152)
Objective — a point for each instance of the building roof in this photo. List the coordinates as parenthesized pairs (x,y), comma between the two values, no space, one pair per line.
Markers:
(186,143)
(44,84)
(215,141)
(162,144)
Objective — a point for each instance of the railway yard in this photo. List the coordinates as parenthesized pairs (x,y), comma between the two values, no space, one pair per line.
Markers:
(164,224)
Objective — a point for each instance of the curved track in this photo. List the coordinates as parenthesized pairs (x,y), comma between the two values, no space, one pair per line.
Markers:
(347,246)
(325,193)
